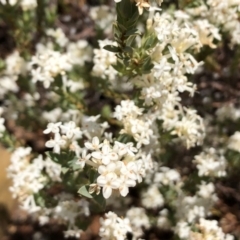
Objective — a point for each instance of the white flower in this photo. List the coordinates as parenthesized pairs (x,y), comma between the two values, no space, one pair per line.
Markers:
(70,130)
(234,142)
(56,143)
(211,163)
(52,127)
(209,229)
(129,170)
(94,145)
(166,176)
(76,148)
(207,191)
(228,111)
(84,158)
(90,127)
(59,36)
(11,2)
(79,52)
(103,61)
(126,109)
(27,177)
(113,227)
(120,148)
(103,16)
(108,182)
(72,233)
(183,230)
(48,64)
(8,84)
(15,64)
(163,221)
(53,170)
(138,220)
(125,183)
(28,4)
(152,198)
(105,155)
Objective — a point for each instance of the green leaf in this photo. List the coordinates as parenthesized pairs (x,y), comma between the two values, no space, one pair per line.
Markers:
(39,200)
(111,48)
(100,200)
(64,170)
(122,28)
(128,49)
(127,9)
(118,66)
(63,159)
(84,192)
(133,20)
(150,42)
(106,111)
(93,174)
(133,31)
(53,156)
(76,167)
(130,39)
(147,66)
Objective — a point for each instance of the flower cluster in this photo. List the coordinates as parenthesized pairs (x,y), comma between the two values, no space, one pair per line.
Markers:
(191,209)
(25,4)
(209,230)
(28,177)
(114,227)
(211,163)
(103,61)
(118,165)
(234,142)
(142,123)
(49,64)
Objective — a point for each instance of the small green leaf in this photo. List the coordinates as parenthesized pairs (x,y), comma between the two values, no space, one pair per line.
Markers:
(100,200)
(128,49)
(130,39)
(118,67)
(133,20)
(121,28)
(106,111)
(93,174)
(133,31)
(53,156)
(64,170)
(39,200)
(111,48)
(84,192)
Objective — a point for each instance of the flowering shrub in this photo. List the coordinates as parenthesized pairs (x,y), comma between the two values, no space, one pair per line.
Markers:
(116,115)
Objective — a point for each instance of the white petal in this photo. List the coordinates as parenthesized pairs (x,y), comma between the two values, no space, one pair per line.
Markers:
(95,141)
(131,183)
(50,144)
(46,131)
(101,180)
(88,145)
(101,169)
(124,191)
(105,160)
(113,156)
(115,183)
(56,149)
(107,191)
(97,155)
